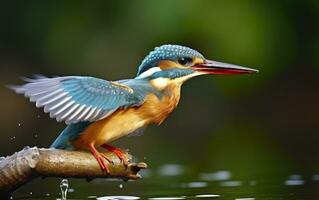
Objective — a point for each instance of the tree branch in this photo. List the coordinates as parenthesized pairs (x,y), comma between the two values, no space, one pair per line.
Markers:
(29,163)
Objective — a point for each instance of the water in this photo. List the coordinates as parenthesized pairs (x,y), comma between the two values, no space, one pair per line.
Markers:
(216,176)
(181,183)
(207,195)
(64,188)
(118,198)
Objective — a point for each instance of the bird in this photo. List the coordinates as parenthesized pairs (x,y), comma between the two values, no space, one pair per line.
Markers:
(98,112)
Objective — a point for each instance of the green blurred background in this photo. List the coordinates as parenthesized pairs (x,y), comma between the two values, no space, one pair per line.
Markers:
(250,124)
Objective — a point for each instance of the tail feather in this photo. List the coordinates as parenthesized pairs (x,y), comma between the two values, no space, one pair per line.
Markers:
(69,134)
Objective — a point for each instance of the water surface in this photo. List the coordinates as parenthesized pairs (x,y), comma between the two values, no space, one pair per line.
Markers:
(174,181)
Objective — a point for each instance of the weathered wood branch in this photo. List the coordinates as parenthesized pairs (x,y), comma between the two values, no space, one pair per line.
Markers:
(29,163)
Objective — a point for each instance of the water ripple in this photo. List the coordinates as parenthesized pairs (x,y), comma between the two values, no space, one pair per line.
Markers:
(197,184)
(294,182)
(294,179)
(230,183)
(215,176)
(207,195)
(167,198)
(315,177)
(118,198)
(170,170)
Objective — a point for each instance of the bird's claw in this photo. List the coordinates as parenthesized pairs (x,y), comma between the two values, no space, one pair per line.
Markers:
(100,158)
(108,159)
(118,152)
(121,156)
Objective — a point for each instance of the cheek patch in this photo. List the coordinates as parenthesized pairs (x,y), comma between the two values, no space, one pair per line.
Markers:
(168,64)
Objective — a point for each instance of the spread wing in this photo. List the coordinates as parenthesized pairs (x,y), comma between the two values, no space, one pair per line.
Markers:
(76,98)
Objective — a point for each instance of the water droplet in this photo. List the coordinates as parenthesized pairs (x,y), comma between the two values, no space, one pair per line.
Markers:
(121,186)
(64,188)
(38,116)
(92,197)
(249,198)
(30,193)
(35,135)
(207,195)
(19,124)
(47,194)
(71,190)
(13,138)
(118,198)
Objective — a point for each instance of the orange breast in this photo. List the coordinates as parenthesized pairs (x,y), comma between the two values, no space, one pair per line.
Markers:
(125,121)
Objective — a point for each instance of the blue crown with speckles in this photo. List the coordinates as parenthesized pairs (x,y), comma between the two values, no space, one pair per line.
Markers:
(166,52)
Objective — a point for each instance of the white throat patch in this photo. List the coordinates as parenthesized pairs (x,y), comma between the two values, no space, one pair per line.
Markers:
(160,83)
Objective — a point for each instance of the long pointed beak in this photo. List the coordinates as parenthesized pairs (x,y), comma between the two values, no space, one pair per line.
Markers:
(214,67)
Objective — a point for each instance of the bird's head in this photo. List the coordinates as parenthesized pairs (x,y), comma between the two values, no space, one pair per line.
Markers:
(175,61)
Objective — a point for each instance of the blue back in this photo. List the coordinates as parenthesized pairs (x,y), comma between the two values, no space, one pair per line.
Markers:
(141,88)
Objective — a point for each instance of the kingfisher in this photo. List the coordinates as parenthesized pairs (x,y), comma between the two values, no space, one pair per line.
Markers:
(99,111)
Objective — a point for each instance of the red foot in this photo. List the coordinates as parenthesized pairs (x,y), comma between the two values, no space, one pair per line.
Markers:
(118,152)
(100,158)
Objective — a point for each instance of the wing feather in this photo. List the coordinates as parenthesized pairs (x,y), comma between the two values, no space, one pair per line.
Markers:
(60,103)
(95,114)
(64,107)
(90,113)
(43,99)
(68,112)
(73,99)
(83,113)
(76,113)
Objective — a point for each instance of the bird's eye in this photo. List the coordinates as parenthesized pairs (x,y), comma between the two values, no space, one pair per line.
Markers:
(186,61)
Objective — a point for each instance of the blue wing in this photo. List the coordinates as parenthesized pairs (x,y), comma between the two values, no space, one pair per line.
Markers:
(76,98)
